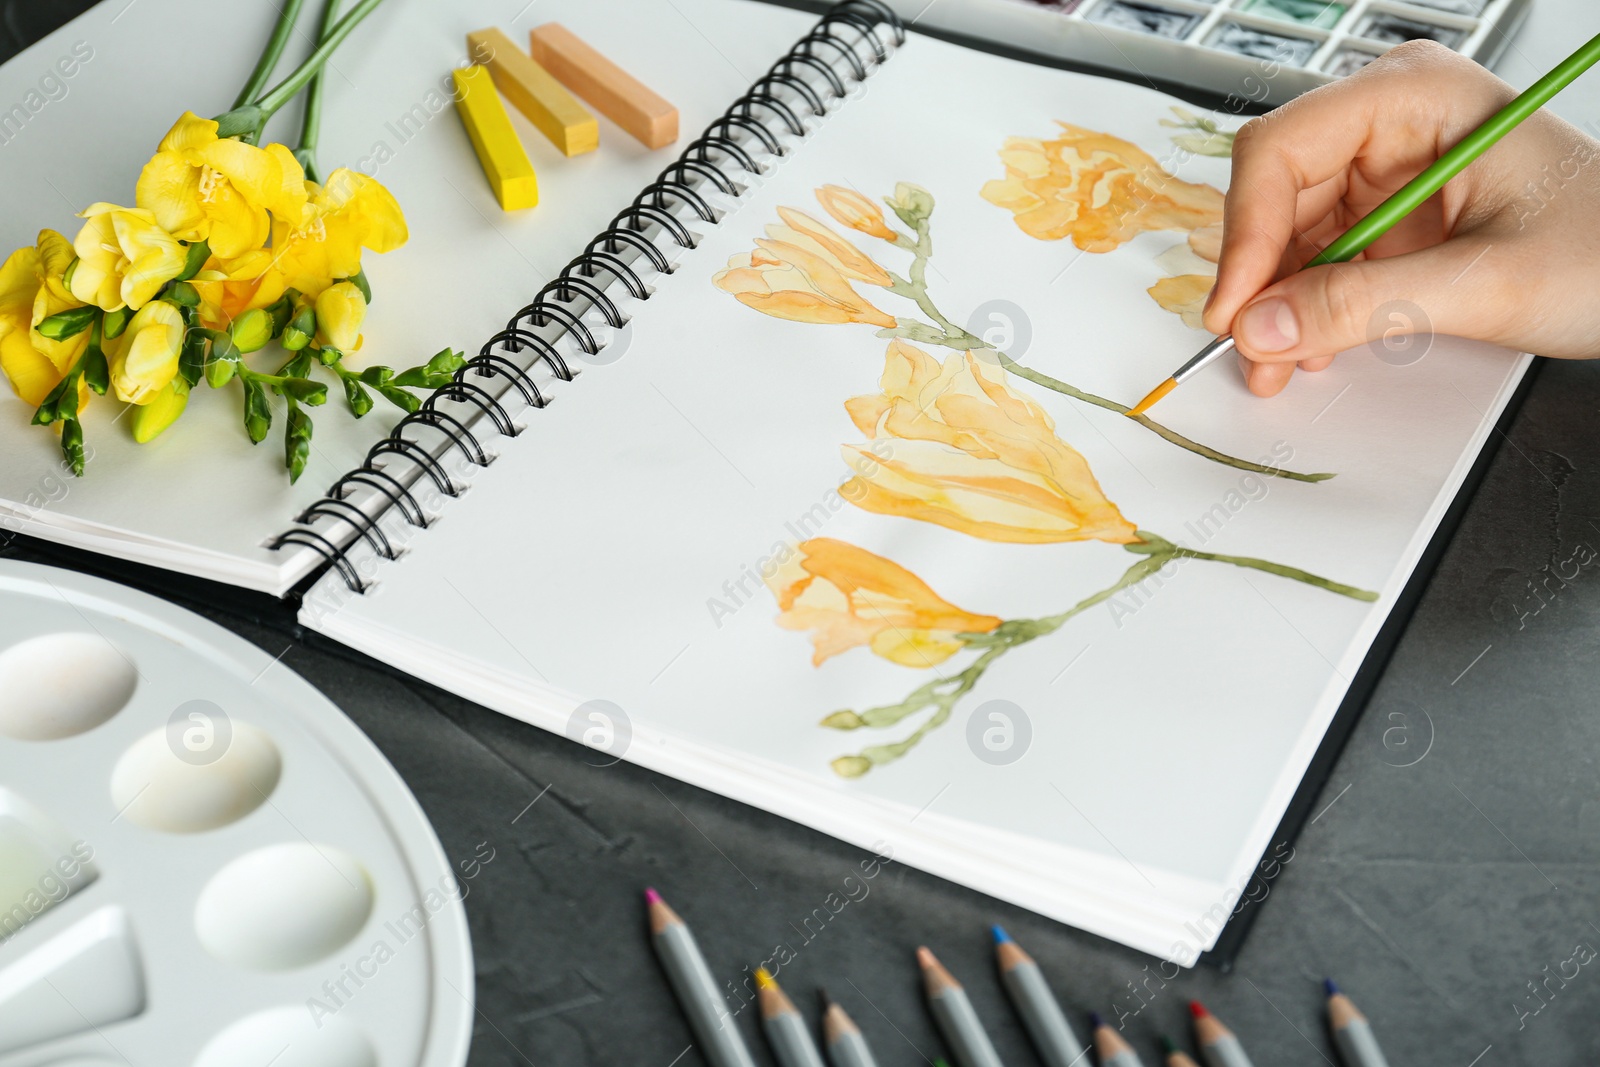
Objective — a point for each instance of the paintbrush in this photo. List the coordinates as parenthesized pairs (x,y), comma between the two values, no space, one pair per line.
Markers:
(1386,215)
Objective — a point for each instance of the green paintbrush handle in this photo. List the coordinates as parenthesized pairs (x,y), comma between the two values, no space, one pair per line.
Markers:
(1386,215)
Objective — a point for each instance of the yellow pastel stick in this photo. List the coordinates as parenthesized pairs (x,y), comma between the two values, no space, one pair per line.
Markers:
(534,92)
(501,153)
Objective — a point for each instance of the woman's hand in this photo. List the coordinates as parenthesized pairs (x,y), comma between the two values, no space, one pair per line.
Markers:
(1508,251)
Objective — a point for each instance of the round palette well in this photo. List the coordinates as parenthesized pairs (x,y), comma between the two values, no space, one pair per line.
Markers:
(216,859)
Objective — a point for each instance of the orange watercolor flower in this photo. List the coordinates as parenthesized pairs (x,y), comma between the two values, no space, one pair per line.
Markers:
(787,281)
(850,208)
(1097,189)
(971,454)
(849,597)
(812,235)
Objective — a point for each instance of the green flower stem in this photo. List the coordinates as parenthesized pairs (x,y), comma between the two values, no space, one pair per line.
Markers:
(271,54)
(286,90)
(954,337)
(943,694)
(311,123)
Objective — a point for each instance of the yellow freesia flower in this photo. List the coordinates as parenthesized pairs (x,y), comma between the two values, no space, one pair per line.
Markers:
(151,420)
(31,290)
(124,257)
(848,597)
(803,231)
(144,360)
(348,213)
(1097,189)
(850,208)
(227,288)
(341,309)
(971,454)
(204,188)
(788,282)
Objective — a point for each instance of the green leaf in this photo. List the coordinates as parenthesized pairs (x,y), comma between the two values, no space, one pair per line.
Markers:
(70,323)
(257,410)
(241,120)
(304,390)
(407,402)
(298,367)
(115,322)
(359,280)
(359,399)
(447,361)
(301,329)
(198,253)
(183,295)
(95,370)
(192,357)
(60,403)
(72,445)
(296,442)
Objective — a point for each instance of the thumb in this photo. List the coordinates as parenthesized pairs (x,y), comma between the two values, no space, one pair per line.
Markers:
(1400,300)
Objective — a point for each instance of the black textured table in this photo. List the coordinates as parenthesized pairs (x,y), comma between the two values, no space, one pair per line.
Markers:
(1450,880)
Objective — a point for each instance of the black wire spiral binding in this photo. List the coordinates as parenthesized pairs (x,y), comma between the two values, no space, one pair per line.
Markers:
(858,23)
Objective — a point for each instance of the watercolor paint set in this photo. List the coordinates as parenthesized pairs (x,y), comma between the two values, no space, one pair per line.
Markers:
(1265,51)
(202,861)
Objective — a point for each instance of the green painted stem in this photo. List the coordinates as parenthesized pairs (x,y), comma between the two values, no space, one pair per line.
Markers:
(1411,196)
(943,694)
(916,289)
(271,54)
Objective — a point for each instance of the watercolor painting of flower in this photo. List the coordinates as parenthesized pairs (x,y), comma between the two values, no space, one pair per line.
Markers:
(973,455)
(802,270)
(1102,191)
(1096,189)
(850,598)
(969,450)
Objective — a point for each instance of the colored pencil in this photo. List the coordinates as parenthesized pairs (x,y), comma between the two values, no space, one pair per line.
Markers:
(1110,1047)
(1411,196)
(953,1012)
(694,987)
(1176,1057)
(1052,1035)
(785,1029)
(842,1038)
(1352,1034)
(1218,1046)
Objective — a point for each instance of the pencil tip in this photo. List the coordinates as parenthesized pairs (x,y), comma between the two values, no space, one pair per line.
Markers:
(1095,1021)
(764,979)
(926,958)
(1150,400)
(1197,1010)
(651,896)
(1329,988)
(1168,1046)
(823,998)
(1000,935)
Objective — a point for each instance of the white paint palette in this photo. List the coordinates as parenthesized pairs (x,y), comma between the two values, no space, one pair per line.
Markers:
(1260,51)
(203,862)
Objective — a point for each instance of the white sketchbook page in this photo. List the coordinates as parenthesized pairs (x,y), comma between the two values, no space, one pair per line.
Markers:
(200,498)
(584,561)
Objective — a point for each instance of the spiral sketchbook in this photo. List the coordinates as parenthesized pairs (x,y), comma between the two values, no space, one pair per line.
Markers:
(806,480)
